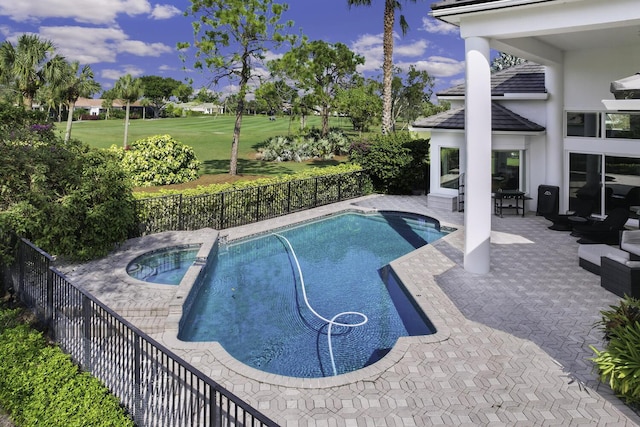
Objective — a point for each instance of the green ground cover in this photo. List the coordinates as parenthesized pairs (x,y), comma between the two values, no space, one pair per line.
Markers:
(210,137)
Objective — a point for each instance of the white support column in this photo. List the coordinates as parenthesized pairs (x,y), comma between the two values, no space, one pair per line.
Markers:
(554,82)
(478,203)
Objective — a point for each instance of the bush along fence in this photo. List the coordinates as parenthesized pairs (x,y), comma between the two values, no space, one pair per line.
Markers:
(244,206)
(156,386)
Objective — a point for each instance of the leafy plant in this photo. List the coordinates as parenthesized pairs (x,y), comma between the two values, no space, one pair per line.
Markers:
(40,385)
(619,363)
(395,162)
(67,198)
(309,145)
(158,160)
(627,313)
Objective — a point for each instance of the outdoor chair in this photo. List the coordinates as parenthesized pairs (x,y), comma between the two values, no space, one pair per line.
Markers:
(566,222)
(606,231)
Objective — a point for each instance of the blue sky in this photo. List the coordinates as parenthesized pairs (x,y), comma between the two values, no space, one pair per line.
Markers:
(139,37)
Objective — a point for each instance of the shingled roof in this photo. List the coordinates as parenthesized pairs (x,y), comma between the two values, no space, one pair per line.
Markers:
(502,119)
(523,78)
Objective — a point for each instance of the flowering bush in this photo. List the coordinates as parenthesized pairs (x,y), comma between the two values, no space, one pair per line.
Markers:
(158,160)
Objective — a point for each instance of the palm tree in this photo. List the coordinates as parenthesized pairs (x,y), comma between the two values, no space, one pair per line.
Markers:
(76,83)
(389,20)
(130,90)
(29,65)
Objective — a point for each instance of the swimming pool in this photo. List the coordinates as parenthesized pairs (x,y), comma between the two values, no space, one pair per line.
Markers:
(165,266)
(253,299)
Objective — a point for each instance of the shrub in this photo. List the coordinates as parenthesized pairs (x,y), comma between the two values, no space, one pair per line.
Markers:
(67,198)
(619,363)
(308,145)
(39,384)
(158,160)
(396,163)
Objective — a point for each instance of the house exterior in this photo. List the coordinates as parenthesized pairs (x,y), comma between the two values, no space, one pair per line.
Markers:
(94,105)
(573,133)
(202,107)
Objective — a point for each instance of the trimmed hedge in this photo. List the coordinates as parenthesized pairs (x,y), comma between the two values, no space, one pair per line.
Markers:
(40,385)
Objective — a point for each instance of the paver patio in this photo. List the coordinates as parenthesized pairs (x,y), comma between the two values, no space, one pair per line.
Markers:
(512,346)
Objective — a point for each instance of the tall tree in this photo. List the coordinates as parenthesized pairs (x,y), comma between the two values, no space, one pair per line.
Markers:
(158,90)
(408,96)
(320,70)
(129,90)
(389,19)
(108,96)
(75,83)
(232,37)
(29,65)
(361,102)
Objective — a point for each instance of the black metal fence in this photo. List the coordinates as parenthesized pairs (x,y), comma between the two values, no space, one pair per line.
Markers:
(156,386)
(245,206)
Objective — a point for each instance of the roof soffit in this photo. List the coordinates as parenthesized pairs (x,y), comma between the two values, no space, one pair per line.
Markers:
(560,24)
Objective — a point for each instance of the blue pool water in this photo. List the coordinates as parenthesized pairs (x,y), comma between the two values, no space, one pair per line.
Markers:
(167,266)
(252,300)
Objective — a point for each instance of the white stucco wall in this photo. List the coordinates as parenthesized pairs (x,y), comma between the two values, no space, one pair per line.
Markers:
(589,72)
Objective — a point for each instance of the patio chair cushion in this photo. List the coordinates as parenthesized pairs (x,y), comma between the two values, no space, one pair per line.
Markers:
(590,256)
(630,241)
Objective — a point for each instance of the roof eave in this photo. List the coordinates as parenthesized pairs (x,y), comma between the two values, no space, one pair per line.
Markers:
(452,13)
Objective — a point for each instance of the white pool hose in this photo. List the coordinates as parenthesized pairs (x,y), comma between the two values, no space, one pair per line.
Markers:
(331,321)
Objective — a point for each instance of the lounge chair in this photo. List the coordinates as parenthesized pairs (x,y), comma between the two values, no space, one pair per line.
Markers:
(566,222)
(606,231)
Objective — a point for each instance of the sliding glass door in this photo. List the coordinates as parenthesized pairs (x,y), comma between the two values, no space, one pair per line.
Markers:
(620,176)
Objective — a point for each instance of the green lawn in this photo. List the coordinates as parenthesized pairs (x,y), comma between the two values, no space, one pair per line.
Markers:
(210,138)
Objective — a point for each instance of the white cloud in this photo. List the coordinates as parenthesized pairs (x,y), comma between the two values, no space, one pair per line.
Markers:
(165,11)
(437,66)
(370,46)
(93,45)
(115,74)
(414,49)
(94,11)
(432,25)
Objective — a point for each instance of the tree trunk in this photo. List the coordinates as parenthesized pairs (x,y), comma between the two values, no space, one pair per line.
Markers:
(67,133)
(126,127)
(387,64)
(27,101)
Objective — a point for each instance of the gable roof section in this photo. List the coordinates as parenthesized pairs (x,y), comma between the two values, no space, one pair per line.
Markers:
(523,78)
(502,119)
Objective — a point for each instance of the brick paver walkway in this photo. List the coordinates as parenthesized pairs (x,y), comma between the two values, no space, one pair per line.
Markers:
(512,346)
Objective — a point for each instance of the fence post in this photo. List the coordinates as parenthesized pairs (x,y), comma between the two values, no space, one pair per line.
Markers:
(48,313)
(340,188)
(137,380)
(258,204)
(86,333)
(288,196)
(222,224)
(180,220)
(315,194)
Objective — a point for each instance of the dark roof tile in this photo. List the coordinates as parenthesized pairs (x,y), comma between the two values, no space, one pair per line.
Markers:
(453,3)
(502,119)
(524,78)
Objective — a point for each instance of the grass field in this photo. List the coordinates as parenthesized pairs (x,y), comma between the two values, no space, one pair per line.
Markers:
(210,137)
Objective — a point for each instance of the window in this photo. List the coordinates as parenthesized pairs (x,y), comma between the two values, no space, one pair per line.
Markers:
(449,167)
(583,124)
(506,170)
(623,125)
